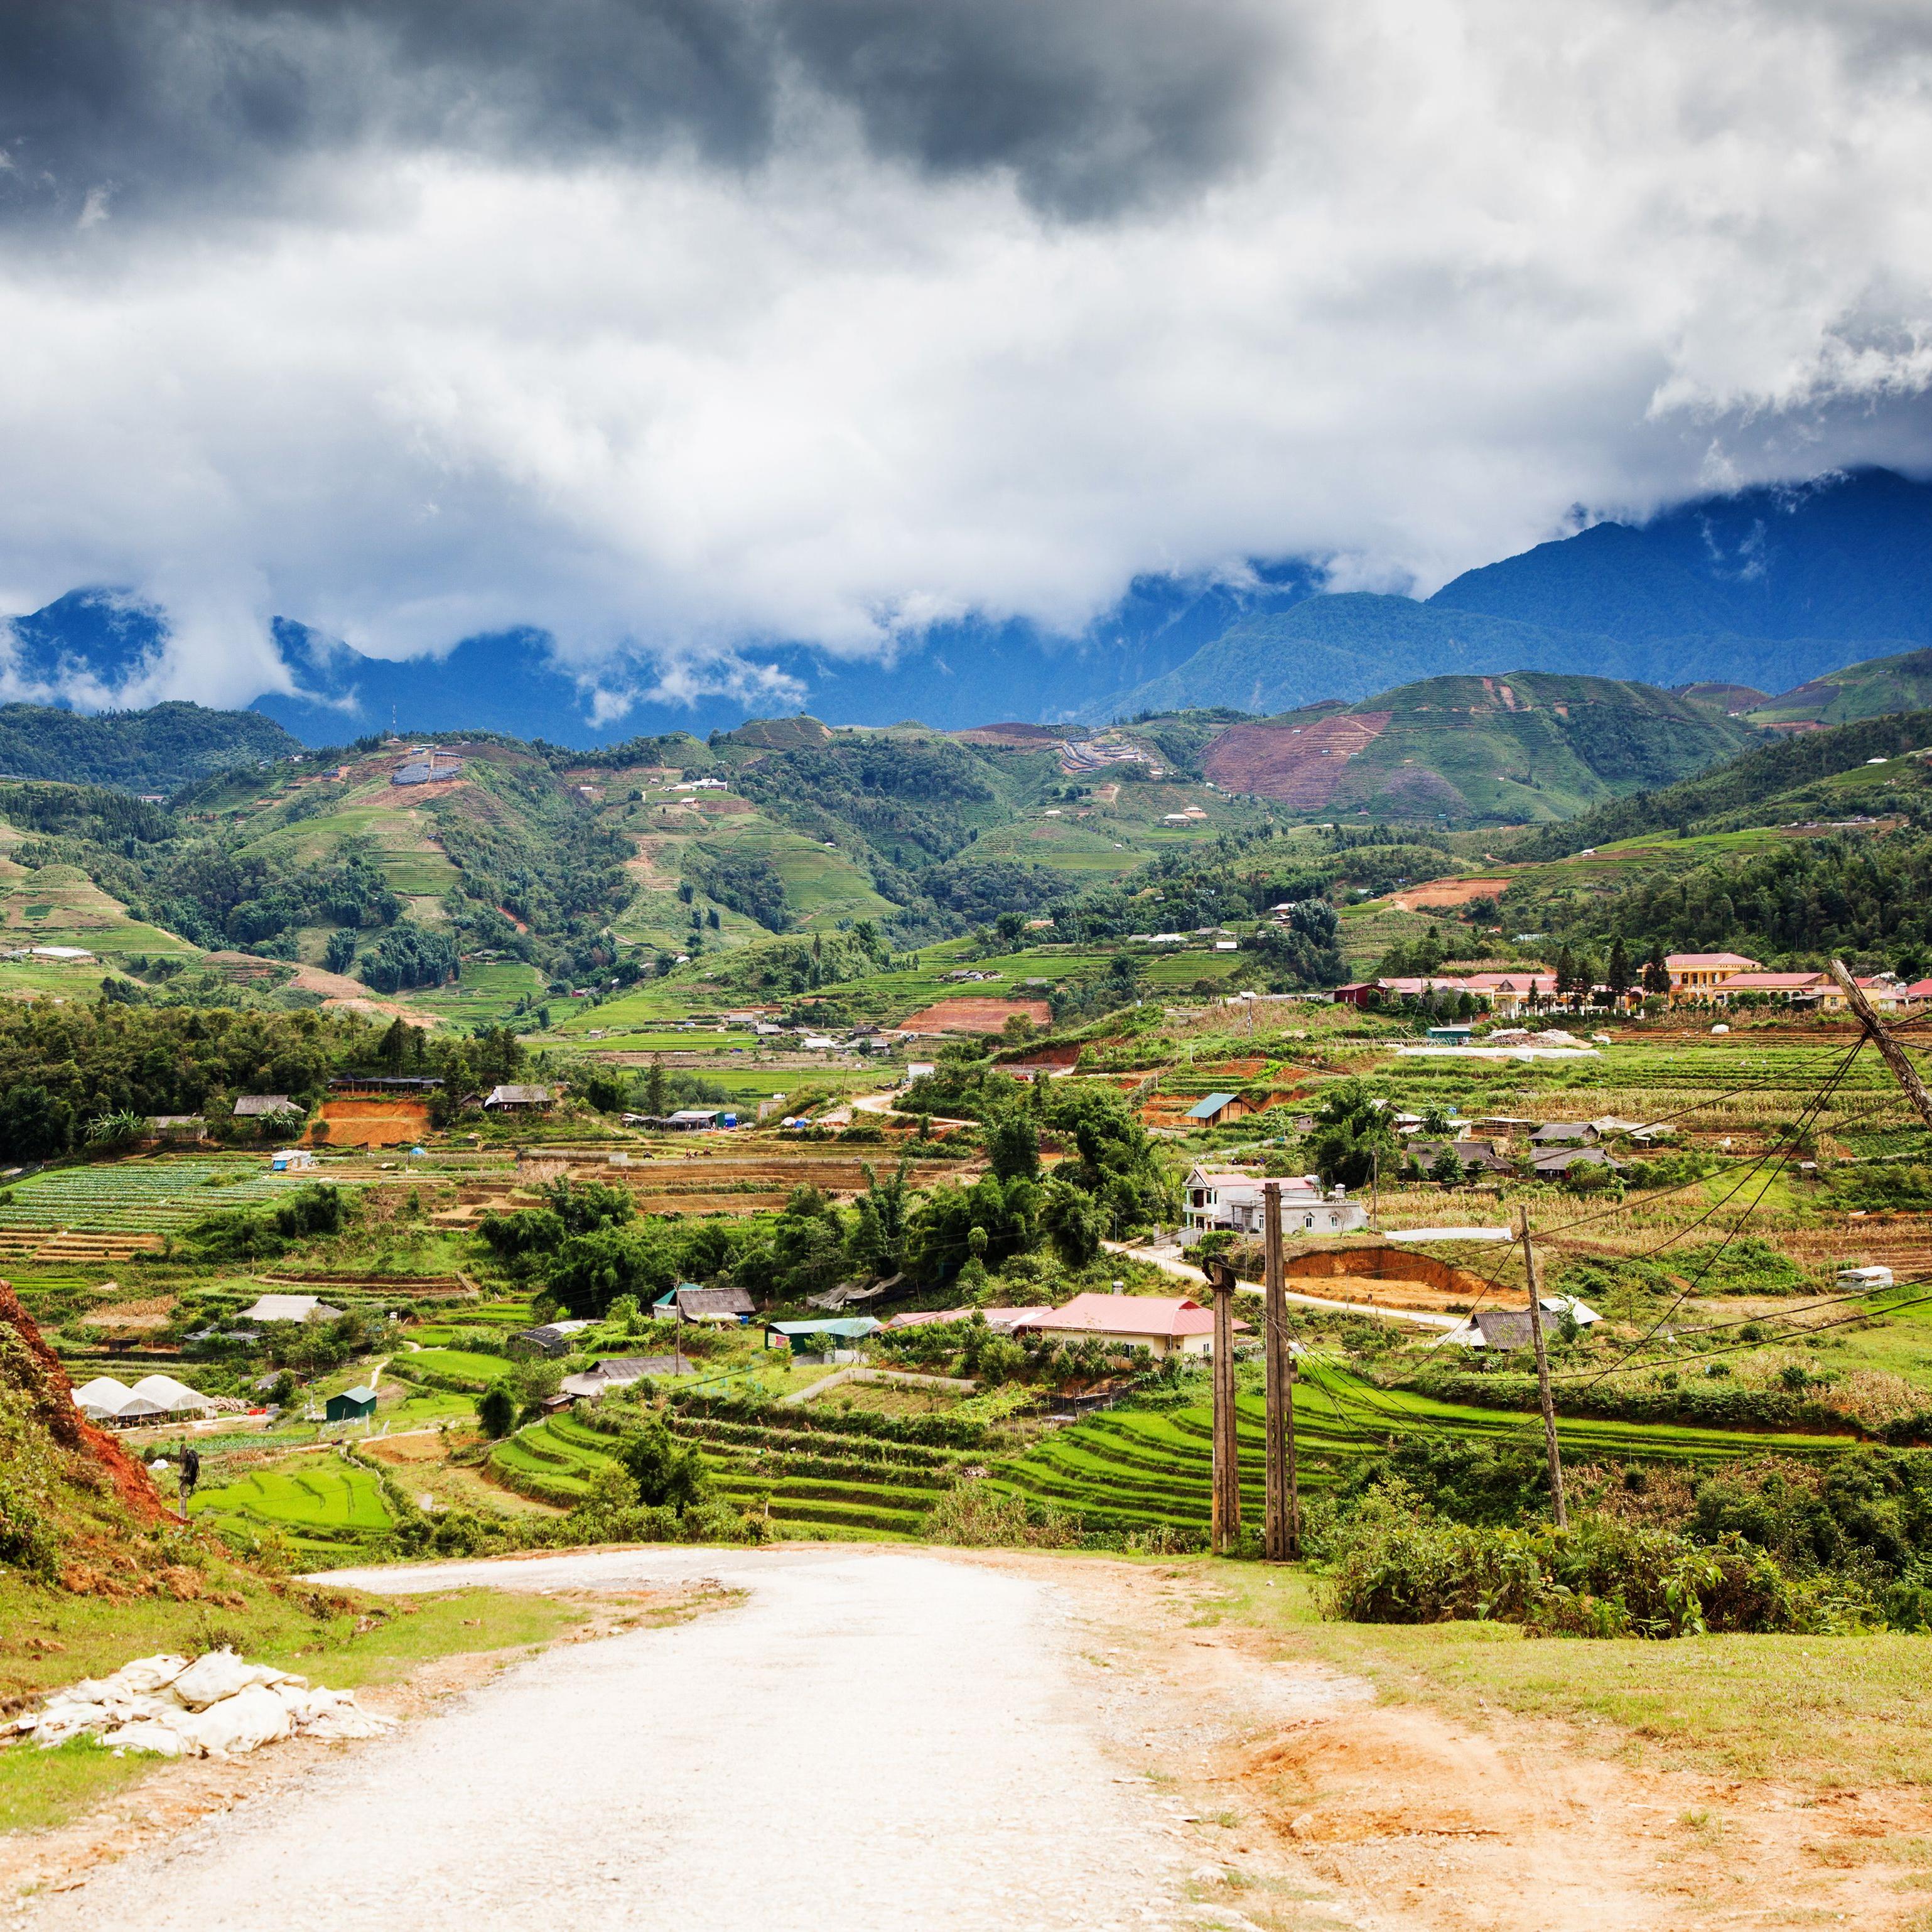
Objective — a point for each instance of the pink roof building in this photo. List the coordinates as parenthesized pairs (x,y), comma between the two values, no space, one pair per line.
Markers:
(1163,1324)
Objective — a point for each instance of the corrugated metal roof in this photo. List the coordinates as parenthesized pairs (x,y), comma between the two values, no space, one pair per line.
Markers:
(1203,1110)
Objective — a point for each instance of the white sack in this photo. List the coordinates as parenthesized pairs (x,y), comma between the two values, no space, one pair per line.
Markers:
(252,1716)
(147,1674)
(162,1739)
(220,1674)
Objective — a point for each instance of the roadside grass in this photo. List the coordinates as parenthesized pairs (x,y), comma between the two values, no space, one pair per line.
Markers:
(1827,1712)
(347,1650)
(41,1788)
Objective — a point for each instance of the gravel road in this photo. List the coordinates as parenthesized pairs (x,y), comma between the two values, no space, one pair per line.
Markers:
(871,1741)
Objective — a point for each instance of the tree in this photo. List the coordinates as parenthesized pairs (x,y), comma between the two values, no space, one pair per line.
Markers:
(1353,1135)
(1447,1171)
(496,1411)
(657,1089)
(1617,976)
(340,953)
(35,1124)
(1656,972)
(669,1474)
(1013,1147)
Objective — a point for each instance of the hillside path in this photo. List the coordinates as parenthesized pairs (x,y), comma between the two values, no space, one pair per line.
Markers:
(868,1741)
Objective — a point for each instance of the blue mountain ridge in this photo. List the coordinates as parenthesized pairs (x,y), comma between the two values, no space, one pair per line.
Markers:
(1768,586)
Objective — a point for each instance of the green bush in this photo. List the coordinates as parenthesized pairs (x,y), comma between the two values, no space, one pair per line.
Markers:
(1397,1561)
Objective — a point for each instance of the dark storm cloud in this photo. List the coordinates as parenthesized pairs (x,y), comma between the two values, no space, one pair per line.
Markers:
(1091,103)
(149,105)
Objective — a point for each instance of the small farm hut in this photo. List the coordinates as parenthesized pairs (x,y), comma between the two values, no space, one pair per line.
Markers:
(351,1405)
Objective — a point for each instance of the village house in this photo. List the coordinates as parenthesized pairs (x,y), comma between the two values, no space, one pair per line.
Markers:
(1231,1200)
(519,1100)
(290,1308)
(687,1300)
(1484,1156)
(1553,1166)
(1162,1325)
(552,1338)
(266,1107)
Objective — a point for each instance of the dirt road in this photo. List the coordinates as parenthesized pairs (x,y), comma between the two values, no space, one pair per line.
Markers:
(868,1741)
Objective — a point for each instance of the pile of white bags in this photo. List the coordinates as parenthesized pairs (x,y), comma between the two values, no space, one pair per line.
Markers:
(217,1706)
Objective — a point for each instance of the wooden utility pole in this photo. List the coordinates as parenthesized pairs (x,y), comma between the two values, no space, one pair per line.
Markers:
(1225,1521)
(1283,1535)
(1902,1070)
(1543,1399)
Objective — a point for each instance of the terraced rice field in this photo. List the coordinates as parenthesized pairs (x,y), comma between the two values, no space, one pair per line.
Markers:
(814,1479)
(135,1197)
(1149,1468)
(323,1506)
(449,1368)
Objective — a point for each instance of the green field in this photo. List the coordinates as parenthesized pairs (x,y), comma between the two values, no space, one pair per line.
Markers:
(323,1505)
(1149,1469)
(451,1368)
(817,1481)
(142,1196)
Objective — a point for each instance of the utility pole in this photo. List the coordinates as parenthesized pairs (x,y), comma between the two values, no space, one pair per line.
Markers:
(1902,1070)
(1225,1517)
(1283,1535)
(1543,1395)
(1375,1186)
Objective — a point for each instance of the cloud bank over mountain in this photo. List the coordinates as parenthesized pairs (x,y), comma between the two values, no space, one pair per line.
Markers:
(689,326)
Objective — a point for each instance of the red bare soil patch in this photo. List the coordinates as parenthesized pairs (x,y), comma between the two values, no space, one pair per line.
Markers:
(358,1121)
(1448,892)
(976,1016)
(1299,765)
(36,1370)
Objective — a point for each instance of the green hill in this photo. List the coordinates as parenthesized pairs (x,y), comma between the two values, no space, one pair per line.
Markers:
(1529,746)
(158,750)
(1870,689)
(1831,771)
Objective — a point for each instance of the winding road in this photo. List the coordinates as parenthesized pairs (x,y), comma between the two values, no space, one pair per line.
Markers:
(867,1741)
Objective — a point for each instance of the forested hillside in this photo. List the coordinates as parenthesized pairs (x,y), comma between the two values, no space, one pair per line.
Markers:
(160,749)
(1765,785)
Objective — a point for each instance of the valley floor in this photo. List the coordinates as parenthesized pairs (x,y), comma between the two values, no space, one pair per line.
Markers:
(878,1739)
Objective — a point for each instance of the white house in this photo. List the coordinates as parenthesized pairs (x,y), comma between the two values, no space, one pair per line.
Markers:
(1232,1200)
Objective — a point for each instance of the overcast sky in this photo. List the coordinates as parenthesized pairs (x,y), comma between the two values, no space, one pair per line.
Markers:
(693,322)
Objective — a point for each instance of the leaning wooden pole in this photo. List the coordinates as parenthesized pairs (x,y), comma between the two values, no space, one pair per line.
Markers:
(1902,1070)
(1278,1536)
(1274,1437)
(1544,1400)
(1225,1519)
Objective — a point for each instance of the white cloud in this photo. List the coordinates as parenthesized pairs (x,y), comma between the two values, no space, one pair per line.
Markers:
(1491,259)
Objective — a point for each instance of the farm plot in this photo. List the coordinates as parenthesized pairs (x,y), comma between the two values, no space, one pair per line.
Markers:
(1142,1469)
(457,1369)
(326,1508)
(812,1481)
(136,1197)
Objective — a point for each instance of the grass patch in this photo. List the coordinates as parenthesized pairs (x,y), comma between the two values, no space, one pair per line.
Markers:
(42,1788)
(1824,1712)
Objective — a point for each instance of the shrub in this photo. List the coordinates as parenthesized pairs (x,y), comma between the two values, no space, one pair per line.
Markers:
(1397,1561)
(497,1410)
(974,1515)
